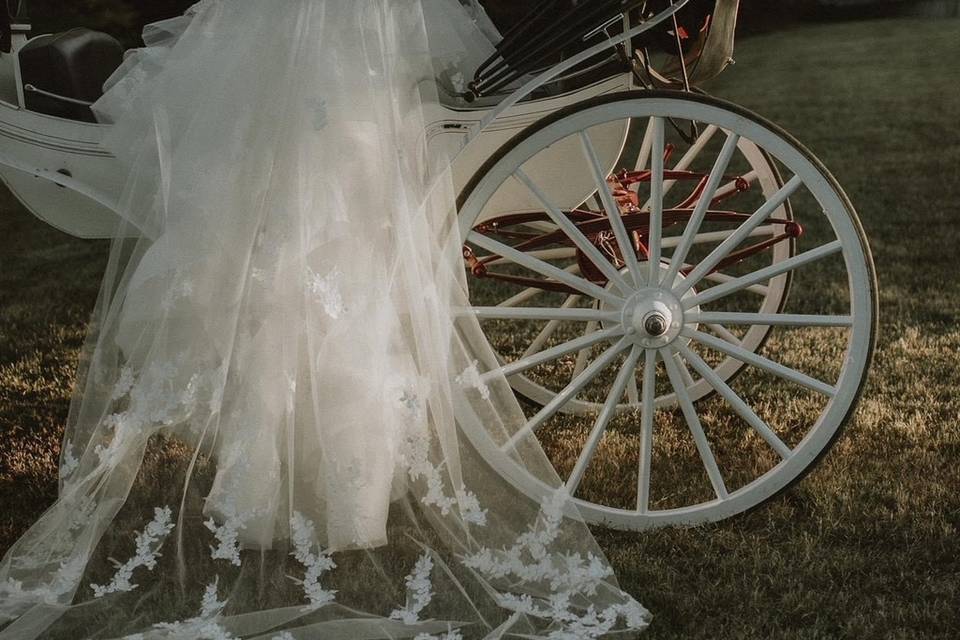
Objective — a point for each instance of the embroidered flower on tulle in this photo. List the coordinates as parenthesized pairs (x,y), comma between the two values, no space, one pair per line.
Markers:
(415,452)
(149,542)
(124,383)
(471,378)
(451,635)
(205,626)
(316,563)
(326,290)
(411,402)
(419,591)
(470,508)
(529,561)
(13,594)
(180,289)
(227,535)
(68,462)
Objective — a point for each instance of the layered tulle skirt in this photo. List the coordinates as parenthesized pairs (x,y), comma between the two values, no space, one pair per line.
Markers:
(267,435)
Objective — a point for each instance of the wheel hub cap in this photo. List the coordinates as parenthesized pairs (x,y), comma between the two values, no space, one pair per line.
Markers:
(652,317)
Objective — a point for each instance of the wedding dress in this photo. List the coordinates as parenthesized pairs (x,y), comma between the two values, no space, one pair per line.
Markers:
(266,440)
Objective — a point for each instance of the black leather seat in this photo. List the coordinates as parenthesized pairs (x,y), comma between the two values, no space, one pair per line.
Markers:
(72,66)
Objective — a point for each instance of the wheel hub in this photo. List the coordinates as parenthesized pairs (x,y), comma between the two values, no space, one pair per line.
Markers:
(652,317)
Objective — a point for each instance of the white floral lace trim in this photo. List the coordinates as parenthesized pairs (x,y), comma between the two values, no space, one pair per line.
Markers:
(419,591)
(228,534)
(149,542)
(205,626)
(472,378)
(415,453)
(530,561)
(326,289)
(13,595)
(316,563)
(68,462)
(450,635)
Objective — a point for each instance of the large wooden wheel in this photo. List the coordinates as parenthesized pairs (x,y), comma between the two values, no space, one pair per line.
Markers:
(626,319)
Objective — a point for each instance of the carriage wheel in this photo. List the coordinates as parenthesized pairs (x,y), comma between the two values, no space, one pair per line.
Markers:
(647,309)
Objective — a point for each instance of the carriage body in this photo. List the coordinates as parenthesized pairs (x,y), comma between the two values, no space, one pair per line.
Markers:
(60,170)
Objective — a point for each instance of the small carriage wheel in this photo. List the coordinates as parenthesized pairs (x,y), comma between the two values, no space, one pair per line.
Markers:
(653,308)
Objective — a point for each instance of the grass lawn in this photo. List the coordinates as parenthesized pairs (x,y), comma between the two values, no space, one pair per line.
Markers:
(867,546)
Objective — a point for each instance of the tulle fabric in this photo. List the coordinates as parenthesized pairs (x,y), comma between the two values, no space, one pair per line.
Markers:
(268,434)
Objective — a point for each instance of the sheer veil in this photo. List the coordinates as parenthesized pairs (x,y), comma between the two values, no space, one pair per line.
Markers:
(267,437)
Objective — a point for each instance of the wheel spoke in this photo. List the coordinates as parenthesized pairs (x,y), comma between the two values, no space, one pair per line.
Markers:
(645,147)
(613,211)
(688,380)
(606,414)
(656,204)
(529,362)
(633,392)
(738,236)
(543,268)
(711,237)
(647,411)
(531,292)
(703,204)
(693,422)
(573,232)
(584,354)
(542,313)
(550,328)
(691,155)
(722,278)
(542,254)
(770,319)
(568,393)
(749,357)
(762,275)
(736,402)
(725,333)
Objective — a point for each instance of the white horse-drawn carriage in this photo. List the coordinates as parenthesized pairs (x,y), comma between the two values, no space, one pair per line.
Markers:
(630,245)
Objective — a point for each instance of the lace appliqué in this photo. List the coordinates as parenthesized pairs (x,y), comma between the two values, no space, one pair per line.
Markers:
(13,595)
(452,635)
(149,542)
(569,575)
(68,462)
(471,378)
(415,451)
(419,591)
(326,289)
(227,534)
(205,626)
(316,564)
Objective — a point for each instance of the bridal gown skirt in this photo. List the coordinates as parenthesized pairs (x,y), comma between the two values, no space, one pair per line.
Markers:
(266,439)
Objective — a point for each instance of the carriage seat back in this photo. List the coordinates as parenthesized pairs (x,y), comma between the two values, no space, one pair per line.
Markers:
(72,66)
